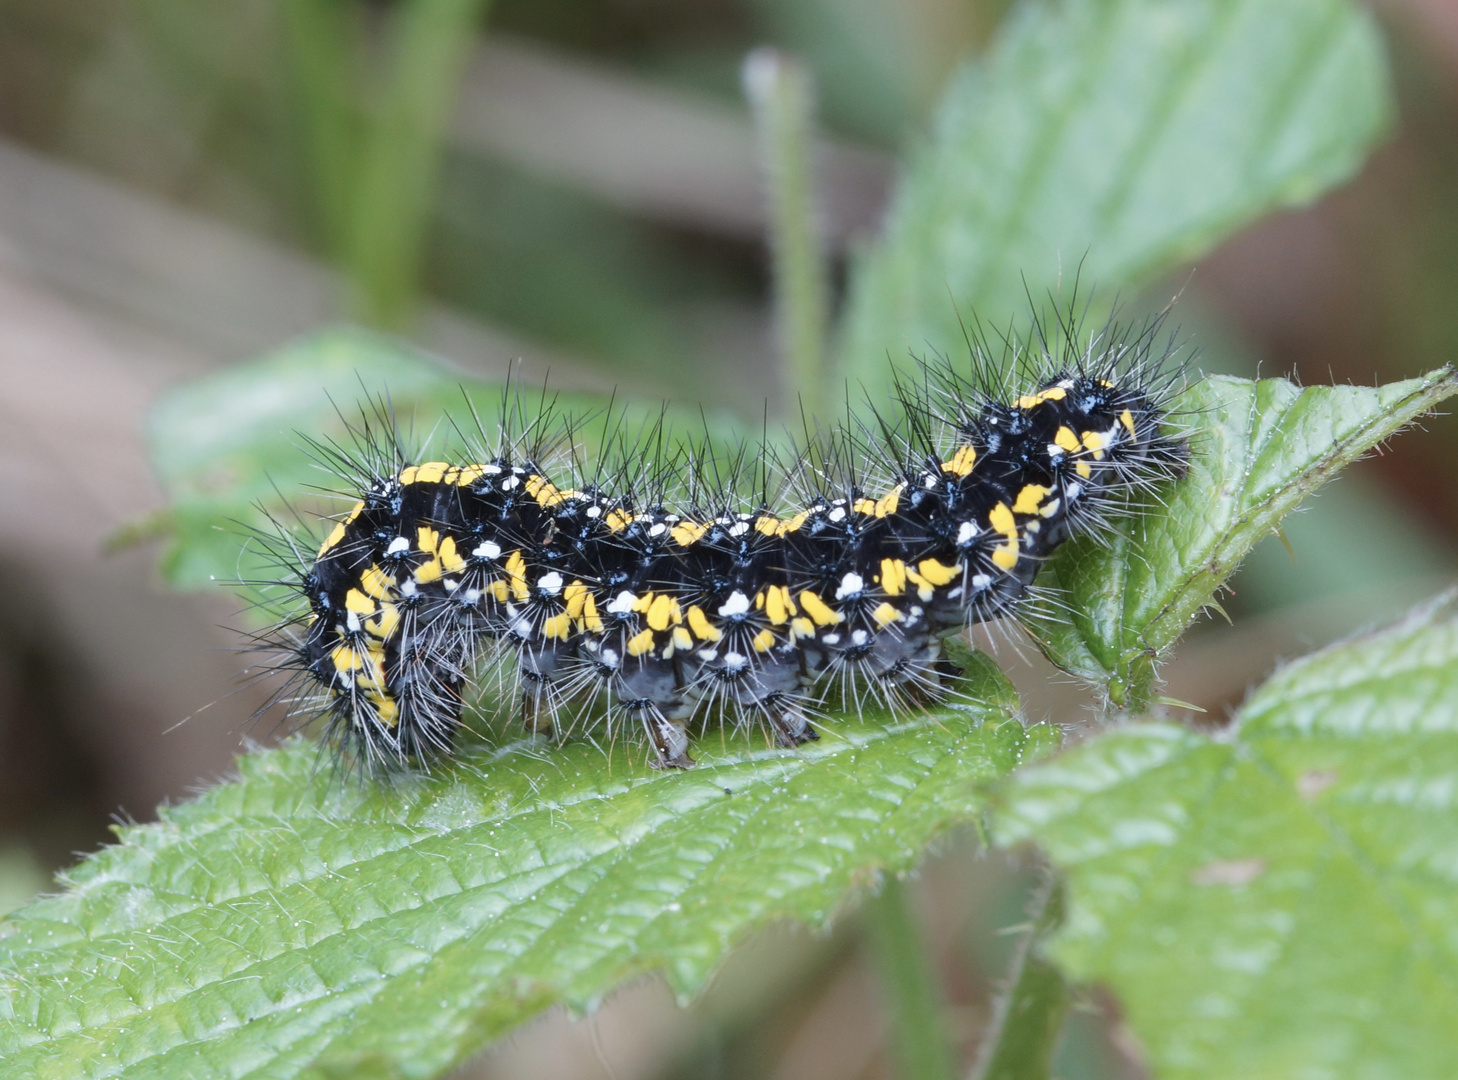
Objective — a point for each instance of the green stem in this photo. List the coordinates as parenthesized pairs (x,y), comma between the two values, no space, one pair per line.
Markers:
(400,163)
(1023,1034)
(782,98)
(324,42)
(909,984)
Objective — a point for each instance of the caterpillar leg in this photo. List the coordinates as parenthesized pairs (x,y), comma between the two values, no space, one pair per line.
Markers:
(668,736)
(791,726)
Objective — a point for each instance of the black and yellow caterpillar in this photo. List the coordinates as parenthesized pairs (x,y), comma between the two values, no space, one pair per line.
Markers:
(717,607)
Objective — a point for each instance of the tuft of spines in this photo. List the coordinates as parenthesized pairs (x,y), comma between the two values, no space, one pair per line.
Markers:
(677,579)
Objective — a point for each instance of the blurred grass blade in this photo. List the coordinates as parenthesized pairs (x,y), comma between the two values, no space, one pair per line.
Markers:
(781,93)
(400,161)
(325,47)
(1281,902)
(1123,136)
(908,981)
(288,922)
(1027,1019)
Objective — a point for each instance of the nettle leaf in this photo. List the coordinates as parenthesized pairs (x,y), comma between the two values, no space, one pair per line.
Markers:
(1257,449)
(290,923)
(1282,901)
(1125,136)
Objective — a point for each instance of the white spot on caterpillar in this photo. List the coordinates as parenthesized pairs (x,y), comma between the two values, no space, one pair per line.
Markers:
(830,639)
(707,655)
(398,546)
(451,584)
(860,637)
(737,604)
(850,585)
(491,470)
(551,584)
(981,581)
(966,533)
(622,604)
(734,661)
(486,550)
(658,530)
(351,620)
(739,528)
(594,511)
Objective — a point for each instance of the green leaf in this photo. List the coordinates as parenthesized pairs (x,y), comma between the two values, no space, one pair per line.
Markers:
(1126,136)
(230,449)
(291,922)
(1257,449)
(1284,901)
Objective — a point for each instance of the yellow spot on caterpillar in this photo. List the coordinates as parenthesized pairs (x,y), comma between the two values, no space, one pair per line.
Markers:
(791,525)
(469,474)
(558,626)
(687,533)
(1085,470)
(386,709)
(703,629)
(801,628)
(1001,520)
(885,614)
(449,558)
(770,526)
(591,620)
(618,520)
(1032,401)
(763,641)
(575,596)
(384,627)
(682,639)
(759,601)
(1066,439)
(1050,507)
(1030,498)
(663,611)
(881,507)
(1094,440)
(432,472)
(893,577)
(778,605)
(937,573)
(407,476)
(818,610)
(345,659)
(336,534)
(640,643)
(1127,419)
(543,490)
(500,590)
(962,461)
(428,540)
(358,602)
(516,576)
(376,583)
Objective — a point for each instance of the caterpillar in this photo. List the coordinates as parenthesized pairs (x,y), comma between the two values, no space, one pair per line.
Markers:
(670,591)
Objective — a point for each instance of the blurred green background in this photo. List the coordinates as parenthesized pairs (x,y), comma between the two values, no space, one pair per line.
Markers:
(574,184)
